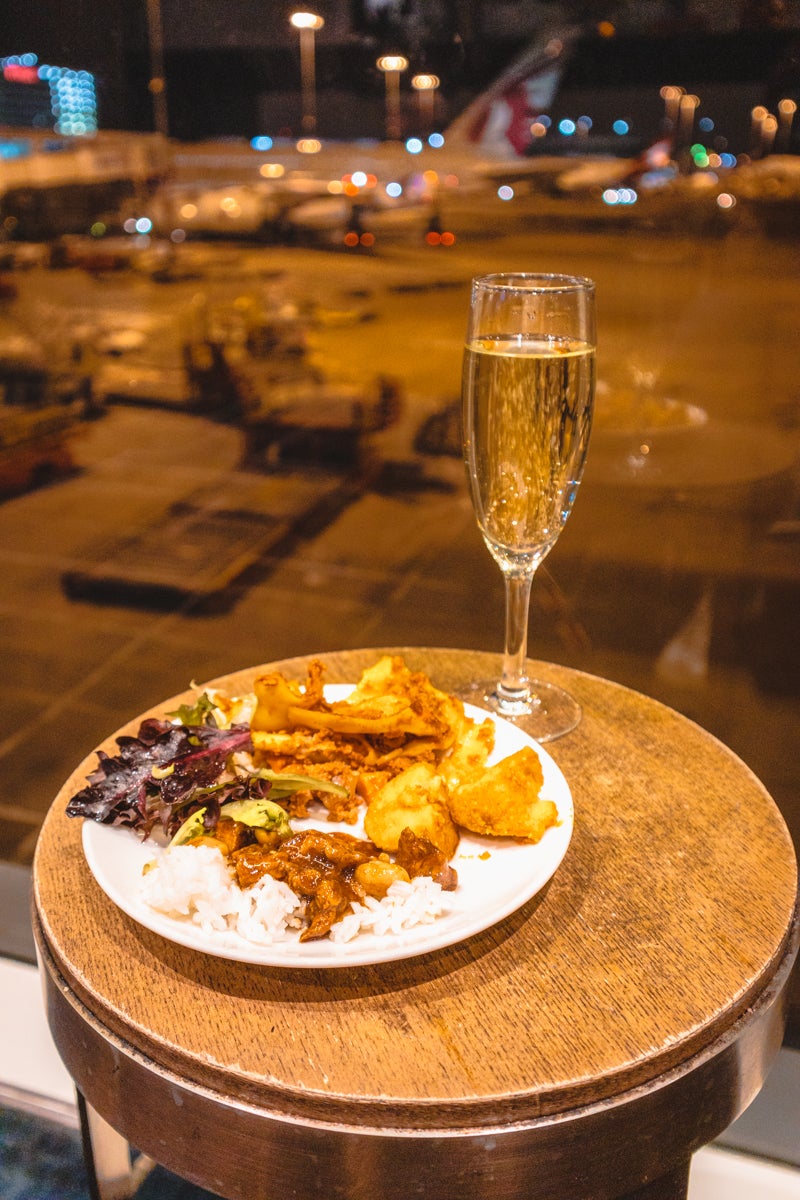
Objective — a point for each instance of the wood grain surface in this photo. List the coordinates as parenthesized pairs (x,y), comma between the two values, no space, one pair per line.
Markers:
(666,920)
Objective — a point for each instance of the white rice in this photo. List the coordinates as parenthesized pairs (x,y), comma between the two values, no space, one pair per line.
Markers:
(405,905)
(195,884)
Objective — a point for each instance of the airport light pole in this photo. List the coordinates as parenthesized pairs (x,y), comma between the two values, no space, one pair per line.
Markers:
(786,111)
(392,65)
(425,86)
(157,84)
(307,24)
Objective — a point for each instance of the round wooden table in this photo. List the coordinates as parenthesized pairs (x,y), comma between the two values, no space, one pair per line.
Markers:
(581,1049)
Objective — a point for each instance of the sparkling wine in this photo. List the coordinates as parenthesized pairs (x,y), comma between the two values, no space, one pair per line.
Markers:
(527,418)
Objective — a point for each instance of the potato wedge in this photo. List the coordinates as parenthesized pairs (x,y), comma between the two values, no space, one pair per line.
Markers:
(504,801)
(415,799)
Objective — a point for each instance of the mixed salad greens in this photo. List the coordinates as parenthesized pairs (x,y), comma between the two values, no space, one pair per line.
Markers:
(179,774)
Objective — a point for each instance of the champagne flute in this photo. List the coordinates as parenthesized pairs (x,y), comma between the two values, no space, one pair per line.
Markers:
(527,393)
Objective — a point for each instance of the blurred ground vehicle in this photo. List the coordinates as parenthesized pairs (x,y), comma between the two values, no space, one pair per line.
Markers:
(40,415)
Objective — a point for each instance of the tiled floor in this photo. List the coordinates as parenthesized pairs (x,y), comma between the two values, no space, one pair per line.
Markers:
(722,1175)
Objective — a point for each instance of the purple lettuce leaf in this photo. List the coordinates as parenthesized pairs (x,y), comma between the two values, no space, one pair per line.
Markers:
(158,777)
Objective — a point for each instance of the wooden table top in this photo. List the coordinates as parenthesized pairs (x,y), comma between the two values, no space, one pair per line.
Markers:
(668,918)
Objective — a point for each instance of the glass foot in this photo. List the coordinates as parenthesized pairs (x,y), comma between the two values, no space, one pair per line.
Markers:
(548,713)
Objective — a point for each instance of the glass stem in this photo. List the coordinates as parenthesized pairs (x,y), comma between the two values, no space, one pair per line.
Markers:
(513,686)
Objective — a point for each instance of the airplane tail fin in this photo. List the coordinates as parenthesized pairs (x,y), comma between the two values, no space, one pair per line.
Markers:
(499,120)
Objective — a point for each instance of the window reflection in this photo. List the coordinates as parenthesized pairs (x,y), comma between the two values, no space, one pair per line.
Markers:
(235,368)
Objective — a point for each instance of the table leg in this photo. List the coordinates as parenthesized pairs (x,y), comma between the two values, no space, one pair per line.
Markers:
(674,1186)
(113,1171)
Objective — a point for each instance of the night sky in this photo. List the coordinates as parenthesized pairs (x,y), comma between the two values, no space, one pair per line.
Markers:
(232,68)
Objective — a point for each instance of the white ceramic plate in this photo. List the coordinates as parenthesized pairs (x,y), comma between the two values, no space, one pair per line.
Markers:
(496,876)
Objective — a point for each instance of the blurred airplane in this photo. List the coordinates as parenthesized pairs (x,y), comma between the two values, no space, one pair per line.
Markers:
(324,191)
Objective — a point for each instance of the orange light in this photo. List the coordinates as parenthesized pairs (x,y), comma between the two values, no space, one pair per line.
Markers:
(350,189)
(392,62)
(433,238)
(367,239)
(425,83)
(306,20)
(351,239)
(606,29)
(448,238)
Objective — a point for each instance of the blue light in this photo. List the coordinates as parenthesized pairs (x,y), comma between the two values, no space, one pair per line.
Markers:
(566,127)
(623,195)
(585,122)
(14,149)
(706,124)
(394,190)
(144,225)
(727,159)
(29,60)
(436,140)
(414,145)
(505,192)
(261,143)
(73,101)
(620,127)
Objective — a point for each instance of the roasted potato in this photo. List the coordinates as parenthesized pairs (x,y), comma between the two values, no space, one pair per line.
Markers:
(415,799)
(504,801)
(468,758)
